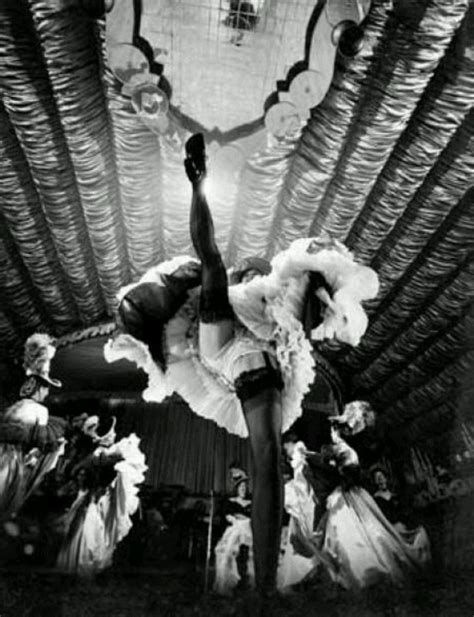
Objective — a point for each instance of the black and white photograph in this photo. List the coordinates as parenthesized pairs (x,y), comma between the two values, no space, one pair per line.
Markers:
(236,308)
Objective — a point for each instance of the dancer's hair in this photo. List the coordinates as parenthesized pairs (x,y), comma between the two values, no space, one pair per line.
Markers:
(257,264)
(289,437)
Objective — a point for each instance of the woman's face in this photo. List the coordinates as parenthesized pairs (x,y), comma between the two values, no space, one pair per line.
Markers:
(81,478)
(380,480)
(41,394)
(242,490)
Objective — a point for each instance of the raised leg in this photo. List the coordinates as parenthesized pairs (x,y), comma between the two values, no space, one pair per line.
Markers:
(216,315)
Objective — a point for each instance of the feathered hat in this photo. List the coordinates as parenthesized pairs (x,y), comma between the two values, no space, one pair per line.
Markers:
(356,417)
(39,351)
(101,430)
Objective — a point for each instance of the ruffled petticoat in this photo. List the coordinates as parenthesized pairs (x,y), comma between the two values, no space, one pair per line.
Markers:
(31,443)
(94,528)
(208,385)
(294,565)
(298,558)
(361,546)
(268,311)
(227,550)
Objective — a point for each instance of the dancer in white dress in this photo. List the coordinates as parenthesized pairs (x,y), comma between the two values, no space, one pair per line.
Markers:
(237,534)
(361,546)
(297,557)
(107,498)
(239,354)
(299,561)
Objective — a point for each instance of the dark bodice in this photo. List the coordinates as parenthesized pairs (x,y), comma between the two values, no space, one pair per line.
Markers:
(390,508)
(29,436)
(322,477)
(234,508)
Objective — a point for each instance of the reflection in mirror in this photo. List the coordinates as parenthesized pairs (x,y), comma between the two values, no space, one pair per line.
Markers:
(224,58)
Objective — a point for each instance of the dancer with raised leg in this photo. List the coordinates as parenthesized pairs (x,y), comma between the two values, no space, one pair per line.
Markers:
(257,381)
(238,353)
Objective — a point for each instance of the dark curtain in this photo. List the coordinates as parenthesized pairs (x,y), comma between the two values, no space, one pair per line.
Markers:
(181,448)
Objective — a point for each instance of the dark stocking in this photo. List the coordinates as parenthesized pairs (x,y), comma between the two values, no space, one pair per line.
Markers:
(263,417)
(215,304)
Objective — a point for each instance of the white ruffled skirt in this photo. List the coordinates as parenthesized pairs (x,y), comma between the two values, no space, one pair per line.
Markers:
(363,548)
(295,565)
(94,528)
(227,550)
(268,313)
(207,385)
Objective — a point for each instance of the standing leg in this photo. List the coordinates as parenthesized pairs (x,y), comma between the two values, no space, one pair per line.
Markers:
(261,404)
(263,417)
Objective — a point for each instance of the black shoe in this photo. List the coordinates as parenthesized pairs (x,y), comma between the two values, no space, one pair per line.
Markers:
(195,162)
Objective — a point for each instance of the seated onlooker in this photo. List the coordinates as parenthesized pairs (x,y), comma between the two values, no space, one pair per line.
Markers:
(385,498)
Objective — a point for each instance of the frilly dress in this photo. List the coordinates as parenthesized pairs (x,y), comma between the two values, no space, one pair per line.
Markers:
(268,313)
(360,546)
(299,559)
(237,534)
(97,522)
(31,443)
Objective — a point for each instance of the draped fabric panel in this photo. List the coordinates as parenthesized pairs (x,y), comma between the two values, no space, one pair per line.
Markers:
(21,309)
(433,276)
(182,448)
(436,207)
(262,182)
(10,339)
(70,56)
(28,226)
(432,387)
(440,346)
(177,196)
(439,316)
(408,65)
(428,271)
(442,108)
(139,172)
(322,142)
(26,96)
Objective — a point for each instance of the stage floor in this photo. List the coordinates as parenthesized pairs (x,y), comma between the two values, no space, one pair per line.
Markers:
(177,592)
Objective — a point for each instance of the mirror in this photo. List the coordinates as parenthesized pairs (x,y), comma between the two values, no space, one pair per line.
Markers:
(219,61)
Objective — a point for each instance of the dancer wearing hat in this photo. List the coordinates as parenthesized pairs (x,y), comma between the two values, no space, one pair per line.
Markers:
(238,534)
(233,344)
(31,441)
(355,541)
(107,481)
